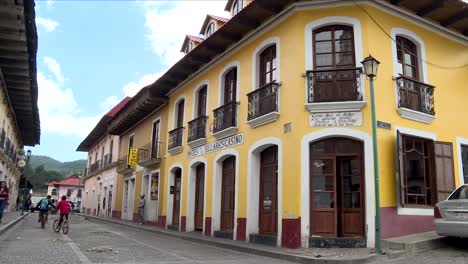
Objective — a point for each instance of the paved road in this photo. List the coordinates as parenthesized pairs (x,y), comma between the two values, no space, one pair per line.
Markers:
(95,242)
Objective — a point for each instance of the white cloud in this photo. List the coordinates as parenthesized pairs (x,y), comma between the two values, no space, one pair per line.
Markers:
(54,67)
(48,24)
(50,3)
(109,102)
(57,105)
(168,22)
(132,88)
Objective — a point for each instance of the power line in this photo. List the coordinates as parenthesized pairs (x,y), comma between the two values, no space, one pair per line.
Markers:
(388,35)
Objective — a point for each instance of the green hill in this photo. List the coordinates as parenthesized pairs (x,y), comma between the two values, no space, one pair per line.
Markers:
(50,164)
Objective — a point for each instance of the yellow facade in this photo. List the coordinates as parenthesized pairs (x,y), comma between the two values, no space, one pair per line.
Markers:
(441,60)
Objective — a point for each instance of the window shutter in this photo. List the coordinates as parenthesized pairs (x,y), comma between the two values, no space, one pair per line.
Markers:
(400,157)
(445,178)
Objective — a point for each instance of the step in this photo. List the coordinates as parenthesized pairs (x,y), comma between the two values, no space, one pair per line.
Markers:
(223,234)
(263,239)
(173,227)
(415,243)
(337,242)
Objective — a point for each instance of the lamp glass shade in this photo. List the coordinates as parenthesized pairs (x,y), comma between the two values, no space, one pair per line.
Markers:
(371,65)
(28,153)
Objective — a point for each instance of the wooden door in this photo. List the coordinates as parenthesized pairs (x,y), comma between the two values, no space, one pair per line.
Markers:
(180,114)
(155,140)
(176,205)
(268,202)
(201,109)
(323,208)
(199,192)
(230,86)
(227,194)
(350,197)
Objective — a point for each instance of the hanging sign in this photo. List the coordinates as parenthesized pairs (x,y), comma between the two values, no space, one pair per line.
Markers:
(340,119)
(216,146)
(154,188)
(133,157)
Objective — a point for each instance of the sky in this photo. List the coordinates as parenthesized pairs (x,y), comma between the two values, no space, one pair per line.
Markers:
(91,54)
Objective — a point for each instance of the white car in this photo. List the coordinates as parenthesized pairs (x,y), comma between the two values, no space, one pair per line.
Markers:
(451,215)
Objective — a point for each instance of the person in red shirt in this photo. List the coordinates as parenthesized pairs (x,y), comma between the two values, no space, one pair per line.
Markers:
(3,198)
(64,208)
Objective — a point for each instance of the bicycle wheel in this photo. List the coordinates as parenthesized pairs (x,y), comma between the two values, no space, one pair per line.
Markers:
(65,227)
(56,226)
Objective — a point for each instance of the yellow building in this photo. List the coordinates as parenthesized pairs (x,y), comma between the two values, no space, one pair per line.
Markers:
(270,131)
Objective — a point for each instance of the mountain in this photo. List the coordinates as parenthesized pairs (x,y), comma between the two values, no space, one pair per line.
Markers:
(50,164)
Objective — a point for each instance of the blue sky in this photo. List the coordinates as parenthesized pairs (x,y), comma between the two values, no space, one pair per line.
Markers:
(94,53)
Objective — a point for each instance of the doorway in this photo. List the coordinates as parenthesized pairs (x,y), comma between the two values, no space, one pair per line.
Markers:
(268,202)
(336,188)
(227,194)
(199,194)
(176,200)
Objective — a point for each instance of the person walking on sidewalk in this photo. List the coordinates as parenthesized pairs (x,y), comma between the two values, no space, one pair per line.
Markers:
(3,198)
(141,208)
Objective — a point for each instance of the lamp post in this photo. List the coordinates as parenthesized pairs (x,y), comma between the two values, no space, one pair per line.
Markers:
(371,66)
(25,185)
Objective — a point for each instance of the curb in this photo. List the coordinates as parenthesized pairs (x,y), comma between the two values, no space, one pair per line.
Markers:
(8,226)
(228,244)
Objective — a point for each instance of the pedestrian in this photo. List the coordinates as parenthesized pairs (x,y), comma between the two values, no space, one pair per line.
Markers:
(28,203)
(18,201)
(141,208)
(64,208)
(3,198)
(72,204)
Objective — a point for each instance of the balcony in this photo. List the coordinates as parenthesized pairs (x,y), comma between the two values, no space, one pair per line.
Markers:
(94,167)
(123,167)
(225,120)
(148,155)
(335,90)
(197,131)
(263,105)
(415,100)
(175,140)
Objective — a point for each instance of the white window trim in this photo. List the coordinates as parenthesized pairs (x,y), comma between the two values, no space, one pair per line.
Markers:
(422,68)
(256,60)
(208,28)
(358,53)
(461,141)
(195,97)
(406,210)
(223,72)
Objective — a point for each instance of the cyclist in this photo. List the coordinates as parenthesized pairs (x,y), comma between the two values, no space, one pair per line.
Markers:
(43,207)
(64,208)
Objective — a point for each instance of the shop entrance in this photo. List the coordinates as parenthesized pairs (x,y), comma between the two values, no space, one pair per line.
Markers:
(336,188)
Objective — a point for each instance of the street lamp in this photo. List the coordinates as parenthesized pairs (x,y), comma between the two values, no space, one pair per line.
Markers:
(25,188)
(371,66)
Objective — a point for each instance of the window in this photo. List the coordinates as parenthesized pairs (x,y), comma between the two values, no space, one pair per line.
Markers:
(210,30)
(464,150)
(333,47)
(180,114)
(189,47)
(155,139)
(460,194)
(175,135)
(425,169)
(69,192)
(236,7)
(111,147)
(407,57)
(268,67)
(230,86)
(201,104)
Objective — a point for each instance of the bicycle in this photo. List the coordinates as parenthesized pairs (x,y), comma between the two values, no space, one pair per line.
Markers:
(57,226)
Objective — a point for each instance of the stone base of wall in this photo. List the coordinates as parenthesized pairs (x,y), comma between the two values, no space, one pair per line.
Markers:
(394,225)
(241,229)
(207,226)
(291,233)
(183,223)
(116,214)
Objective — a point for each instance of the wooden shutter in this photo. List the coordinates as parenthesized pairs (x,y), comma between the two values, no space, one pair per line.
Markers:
(445,177)
(400,167)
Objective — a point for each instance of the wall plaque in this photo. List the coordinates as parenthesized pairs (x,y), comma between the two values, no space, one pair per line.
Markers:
(340,119)
(384,125)
(216,146)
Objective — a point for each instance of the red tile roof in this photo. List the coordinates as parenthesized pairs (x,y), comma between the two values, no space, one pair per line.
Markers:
(194,38)
(118,107)
(71,180)
(208,18)
(188,38)
(222,19)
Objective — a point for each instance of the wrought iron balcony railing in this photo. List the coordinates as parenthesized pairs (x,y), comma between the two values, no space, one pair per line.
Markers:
(149,154)
(197,128)
(175,137)
(122,164)
(94,167)
(334,85)
(415,95)
(225,117)
(263,101)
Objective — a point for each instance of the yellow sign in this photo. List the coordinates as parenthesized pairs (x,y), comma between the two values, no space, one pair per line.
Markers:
(132,157)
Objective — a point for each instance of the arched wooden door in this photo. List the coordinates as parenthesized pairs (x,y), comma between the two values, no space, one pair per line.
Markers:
(268,201)
(199,192)
(336,188)
(176,202)
(228,194)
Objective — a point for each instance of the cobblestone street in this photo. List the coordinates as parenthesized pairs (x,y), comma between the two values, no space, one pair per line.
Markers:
(92,242)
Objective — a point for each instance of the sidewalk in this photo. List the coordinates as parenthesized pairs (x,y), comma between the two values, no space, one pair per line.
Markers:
(10,219)
(302,255)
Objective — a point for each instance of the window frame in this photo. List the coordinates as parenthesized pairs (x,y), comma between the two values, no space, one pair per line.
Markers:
(268,55)
(403,44)
(210,29)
